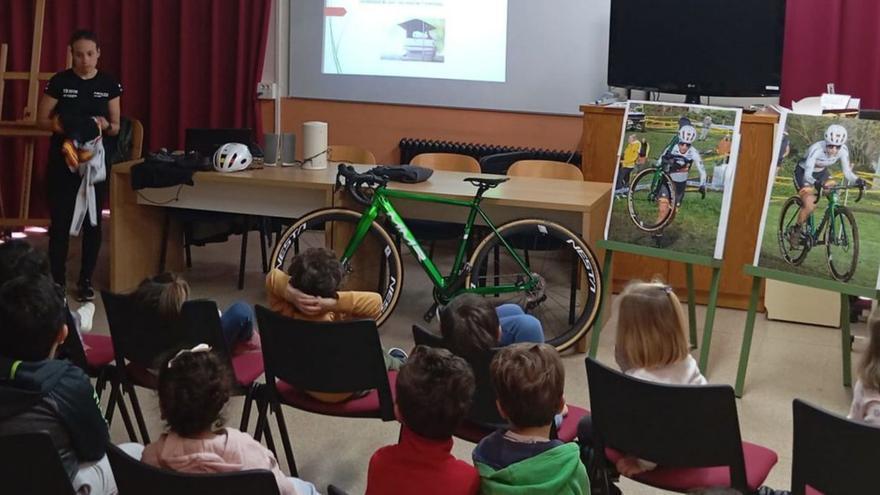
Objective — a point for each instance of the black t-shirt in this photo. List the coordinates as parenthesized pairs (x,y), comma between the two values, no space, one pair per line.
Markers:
(83,96)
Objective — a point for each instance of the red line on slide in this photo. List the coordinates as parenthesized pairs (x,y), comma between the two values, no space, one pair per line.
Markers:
(334,11)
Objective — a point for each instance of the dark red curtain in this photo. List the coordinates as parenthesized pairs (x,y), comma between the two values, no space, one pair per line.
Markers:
(832,41)
(182,63)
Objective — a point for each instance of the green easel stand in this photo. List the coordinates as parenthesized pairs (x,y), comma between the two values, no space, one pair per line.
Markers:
(689,260)
(845,290)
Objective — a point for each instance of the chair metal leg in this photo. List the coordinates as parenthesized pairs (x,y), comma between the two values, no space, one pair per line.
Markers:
(138,414)
(246,412)
(187,244)
(243,260)
(285,439)
(263,242)
(101,383)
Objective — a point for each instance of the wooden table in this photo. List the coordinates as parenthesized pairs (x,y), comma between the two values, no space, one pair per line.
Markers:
(138,216)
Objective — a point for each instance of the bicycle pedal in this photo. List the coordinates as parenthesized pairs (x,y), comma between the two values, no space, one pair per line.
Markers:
(431,313)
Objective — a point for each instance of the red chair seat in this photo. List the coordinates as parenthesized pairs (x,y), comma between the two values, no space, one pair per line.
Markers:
(362,407)
(98,349)
(759,462)
(567,431)
(247,367)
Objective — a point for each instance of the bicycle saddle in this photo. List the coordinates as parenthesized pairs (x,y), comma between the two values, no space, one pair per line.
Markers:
(486,183)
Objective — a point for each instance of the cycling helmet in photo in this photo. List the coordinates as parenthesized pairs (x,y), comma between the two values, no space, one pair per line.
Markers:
(835,135)
(232,157)
(687,134)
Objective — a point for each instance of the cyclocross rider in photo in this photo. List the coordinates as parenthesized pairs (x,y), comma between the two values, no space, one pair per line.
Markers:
(680,158)
(812,172)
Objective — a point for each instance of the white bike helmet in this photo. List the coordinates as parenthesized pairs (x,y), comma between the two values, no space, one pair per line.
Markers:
(835,135)
(232,157)
(687,134)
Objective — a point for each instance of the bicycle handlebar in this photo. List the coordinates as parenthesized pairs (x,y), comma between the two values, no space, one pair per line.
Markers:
(355,183)
(861,185)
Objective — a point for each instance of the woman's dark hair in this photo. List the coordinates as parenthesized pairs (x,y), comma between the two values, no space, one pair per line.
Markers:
(316,272)
(434,392)
(192,392)
(83,34)
(469,324)
(163,294)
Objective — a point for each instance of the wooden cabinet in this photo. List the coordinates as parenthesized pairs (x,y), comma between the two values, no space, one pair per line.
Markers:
(602,127)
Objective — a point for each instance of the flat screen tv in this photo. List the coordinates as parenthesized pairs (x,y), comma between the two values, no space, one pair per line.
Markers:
(697,47)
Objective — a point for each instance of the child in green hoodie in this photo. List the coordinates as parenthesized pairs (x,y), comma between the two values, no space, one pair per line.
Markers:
(529,380)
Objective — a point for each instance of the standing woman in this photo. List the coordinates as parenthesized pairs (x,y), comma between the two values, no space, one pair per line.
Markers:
(80,91)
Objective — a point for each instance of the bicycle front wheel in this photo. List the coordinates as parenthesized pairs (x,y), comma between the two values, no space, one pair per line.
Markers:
(567,297)
(376,265)
(842,244)
(792,245)
(645,189)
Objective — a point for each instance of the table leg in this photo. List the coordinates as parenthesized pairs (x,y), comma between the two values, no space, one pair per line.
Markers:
(604,302)
(692,309)
(747,336)
(710,318)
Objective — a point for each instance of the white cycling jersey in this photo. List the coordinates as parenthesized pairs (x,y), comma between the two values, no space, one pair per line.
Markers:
(694,156)
(817,160)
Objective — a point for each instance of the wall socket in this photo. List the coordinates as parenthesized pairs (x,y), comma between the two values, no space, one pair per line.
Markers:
(267,90)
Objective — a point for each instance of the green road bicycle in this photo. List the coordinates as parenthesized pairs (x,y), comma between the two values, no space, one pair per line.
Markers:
(540,265)
(645,188)
(838,231)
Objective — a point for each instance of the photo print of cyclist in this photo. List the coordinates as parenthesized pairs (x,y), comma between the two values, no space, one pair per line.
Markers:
(674,177)
(822,213)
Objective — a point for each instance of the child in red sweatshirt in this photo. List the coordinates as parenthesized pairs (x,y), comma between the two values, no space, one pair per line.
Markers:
(434,393)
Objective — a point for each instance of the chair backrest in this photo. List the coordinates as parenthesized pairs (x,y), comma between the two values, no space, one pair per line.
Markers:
(137,139)
(672,425)
(546,169)
(140,337)
(200,320)
(134,477)
(452,162)
(832,454)
(343,356)
(351,154)
(31,465)
(483,410)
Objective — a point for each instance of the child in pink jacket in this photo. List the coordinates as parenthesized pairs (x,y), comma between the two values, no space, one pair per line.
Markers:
(194,386)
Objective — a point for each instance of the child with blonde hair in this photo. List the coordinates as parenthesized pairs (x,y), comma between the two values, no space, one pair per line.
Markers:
(866,393)
(651,345)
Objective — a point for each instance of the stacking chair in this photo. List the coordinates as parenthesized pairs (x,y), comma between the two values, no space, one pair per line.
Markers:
(545,169)
(134,477)
(832,454)
(328,357)
(351,154)
(31,465)
(484,417)
(140,341)
(691,432)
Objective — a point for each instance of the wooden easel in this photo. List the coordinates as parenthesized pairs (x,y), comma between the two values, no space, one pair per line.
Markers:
(27,126)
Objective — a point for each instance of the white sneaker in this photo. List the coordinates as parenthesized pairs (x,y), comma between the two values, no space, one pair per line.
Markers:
(86,314)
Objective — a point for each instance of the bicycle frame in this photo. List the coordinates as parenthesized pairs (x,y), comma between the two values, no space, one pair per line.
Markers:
(828,216)
(448,286)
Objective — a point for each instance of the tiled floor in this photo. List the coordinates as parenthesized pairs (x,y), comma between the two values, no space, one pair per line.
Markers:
(788,361)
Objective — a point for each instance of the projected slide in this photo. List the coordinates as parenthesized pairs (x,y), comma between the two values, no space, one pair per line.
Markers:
(441,39)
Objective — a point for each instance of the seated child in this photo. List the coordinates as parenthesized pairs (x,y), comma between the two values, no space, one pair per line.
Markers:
(38,393)
(165,294)
(472,325)
(529,380)
(310,291)
(652,345)
(194,386)
(866,392)
(434,392)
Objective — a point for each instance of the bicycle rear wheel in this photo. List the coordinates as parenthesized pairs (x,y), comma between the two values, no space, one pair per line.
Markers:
(376,265)
(792,246)
(842,244)
(641,200)
(567,298)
